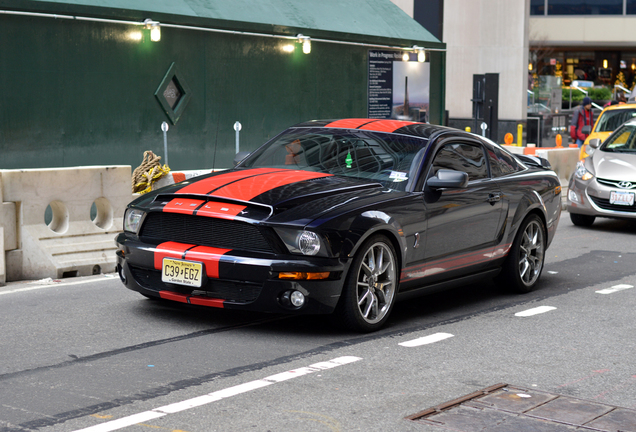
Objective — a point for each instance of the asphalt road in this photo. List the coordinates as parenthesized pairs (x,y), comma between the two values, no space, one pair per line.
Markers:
(86,352)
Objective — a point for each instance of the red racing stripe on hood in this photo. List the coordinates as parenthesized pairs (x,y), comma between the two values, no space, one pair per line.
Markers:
(208,184)
(251,187)
(182,205)
(220,210)
(209,256)
(169,250)
(386,125)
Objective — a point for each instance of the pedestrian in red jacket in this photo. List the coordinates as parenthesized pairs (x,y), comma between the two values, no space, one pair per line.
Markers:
(582,121)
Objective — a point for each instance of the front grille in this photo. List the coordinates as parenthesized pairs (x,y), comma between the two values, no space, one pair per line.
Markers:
(605,205)
(231,291)
(615,183)
(203,231)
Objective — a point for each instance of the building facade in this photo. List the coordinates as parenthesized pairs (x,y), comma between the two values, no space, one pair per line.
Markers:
(90,82)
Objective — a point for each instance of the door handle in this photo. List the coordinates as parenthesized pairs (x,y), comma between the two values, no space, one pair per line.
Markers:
(494,197)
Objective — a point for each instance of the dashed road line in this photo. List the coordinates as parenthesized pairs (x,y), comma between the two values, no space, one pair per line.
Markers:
(217,395)
(615,288)
(535,311)
(426,340)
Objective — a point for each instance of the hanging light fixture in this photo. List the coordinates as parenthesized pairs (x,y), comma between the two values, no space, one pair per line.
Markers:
(155,29)
(305,41)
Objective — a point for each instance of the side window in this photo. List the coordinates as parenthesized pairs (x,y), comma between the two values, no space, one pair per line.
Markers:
(461,157)
(502,163)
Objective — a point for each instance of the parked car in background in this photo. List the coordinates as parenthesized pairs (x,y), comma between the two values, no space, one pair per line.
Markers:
(608,121)
(344,217)
(604,183)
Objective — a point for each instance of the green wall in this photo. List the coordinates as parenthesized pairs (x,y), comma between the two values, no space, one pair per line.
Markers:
(82,93)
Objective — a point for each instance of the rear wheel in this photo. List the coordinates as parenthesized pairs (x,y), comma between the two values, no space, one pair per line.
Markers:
(582,220)
(370,288)
(524,264)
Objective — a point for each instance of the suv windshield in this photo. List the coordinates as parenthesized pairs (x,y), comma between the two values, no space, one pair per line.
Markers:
(389,159)
(621,141)
(611,120)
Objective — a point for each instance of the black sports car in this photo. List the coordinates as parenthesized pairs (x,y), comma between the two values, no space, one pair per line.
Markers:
(344,216)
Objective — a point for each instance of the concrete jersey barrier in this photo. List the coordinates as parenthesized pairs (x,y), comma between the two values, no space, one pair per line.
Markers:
(61,222)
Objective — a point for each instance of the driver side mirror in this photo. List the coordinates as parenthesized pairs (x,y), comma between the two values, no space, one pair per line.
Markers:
(594,143)
(446,178)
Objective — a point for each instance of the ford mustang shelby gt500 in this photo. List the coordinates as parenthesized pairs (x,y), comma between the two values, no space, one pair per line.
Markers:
(344,216)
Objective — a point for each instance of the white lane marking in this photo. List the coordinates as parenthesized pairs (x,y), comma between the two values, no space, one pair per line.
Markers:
(217,395)
(535,311)
(124,422)
(614,289)
(45,285)
(426,340)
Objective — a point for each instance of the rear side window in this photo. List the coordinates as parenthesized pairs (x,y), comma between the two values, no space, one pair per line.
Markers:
(502,163)
(461,157)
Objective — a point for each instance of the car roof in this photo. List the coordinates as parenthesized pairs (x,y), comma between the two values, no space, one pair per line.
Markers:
(403,127)
(628,105)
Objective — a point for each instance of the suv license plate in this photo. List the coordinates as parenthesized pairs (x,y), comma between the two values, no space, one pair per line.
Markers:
(622,198)
(182,272)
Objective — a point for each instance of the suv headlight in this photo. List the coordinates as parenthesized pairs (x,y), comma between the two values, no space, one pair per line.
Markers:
(132,220)
(302,242)
(582,172)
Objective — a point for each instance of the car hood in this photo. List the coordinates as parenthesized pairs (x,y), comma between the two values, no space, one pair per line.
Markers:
(260,194)
(614,166)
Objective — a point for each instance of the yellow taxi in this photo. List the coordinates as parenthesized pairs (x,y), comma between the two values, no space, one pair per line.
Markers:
(608,121)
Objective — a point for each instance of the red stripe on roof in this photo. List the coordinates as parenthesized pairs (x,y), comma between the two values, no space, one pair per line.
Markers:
(348,123)
(209,256)
(386,125)
(208,184)
(251,187)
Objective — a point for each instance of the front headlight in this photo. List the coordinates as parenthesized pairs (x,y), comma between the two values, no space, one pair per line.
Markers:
(132,220)
(582,172)
(302,242)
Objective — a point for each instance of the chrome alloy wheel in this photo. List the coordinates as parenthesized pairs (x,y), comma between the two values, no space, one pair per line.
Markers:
(531,252)
(376,283)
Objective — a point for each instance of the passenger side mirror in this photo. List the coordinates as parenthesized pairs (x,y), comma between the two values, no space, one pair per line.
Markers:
(446,178)
(240,156)
(594,143)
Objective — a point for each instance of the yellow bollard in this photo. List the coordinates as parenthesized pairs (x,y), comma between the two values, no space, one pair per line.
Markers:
(467,129)
(508,138)
(559,141)
(519,135)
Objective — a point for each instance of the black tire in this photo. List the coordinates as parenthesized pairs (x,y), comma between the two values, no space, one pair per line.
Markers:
(521,270)
(370,287)
(582,220)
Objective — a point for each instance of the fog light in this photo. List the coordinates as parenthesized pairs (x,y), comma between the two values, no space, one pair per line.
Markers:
(572,196)
(297,298)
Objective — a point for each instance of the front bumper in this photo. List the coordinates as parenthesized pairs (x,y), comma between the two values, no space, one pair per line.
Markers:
(243,281)
(591,198)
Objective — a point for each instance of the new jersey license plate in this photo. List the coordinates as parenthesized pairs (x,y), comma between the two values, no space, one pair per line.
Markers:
(182,272)
(622,198)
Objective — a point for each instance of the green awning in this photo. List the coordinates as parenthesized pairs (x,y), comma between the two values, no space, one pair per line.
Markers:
(371,21)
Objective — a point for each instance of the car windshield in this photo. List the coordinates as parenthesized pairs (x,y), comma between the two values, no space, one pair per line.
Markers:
(611,120)
(389,159)
(621,141)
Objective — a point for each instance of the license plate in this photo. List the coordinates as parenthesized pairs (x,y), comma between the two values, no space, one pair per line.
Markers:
(622,198)
(182,272)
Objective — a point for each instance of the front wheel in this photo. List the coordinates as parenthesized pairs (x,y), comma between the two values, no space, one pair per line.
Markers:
(370,286)
(524,264)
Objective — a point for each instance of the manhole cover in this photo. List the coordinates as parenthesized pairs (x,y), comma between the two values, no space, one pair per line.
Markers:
(504,407)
